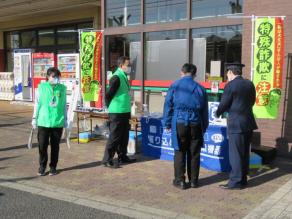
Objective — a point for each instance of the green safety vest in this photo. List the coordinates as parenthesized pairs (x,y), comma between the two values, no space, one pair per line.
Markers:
(121,102)
(47,115)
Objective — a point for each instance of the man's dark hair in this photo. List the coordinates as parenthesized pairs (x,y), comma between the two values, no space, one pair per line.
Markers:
(235,67)
(236,70)
(122,60)
(53,71)
(185,68)
(193,69)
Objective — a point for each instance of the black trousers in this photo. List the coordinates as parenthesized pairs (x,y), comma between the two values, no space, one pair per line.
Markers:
(190,139)
(118,138)
(239,147)
(46,136)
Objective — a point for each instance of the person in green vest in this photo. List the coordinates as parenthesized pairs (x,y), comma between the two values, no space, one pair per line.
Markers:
(118,101)
(50,117)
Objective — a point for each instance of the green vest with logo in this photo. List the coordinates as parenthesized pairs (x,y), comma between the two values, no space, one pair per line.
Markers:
(121,102)
(51,116)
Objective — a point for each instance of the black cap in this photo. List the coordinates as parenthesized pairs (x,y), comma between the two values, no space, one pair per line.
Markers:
(235,67)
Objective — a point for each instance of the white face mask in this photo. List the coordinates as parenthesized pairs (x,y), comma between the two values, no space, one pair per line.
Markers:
(128,71)
(54,81)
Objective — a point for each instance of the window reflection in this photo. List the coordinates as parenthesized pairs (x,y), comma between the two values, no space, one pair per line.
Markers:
(205,8)
(28,39)
(166,51)
(118,10)
(46,37)
(216,44)
(159,11)
(66,35)
(125,45)
(12,40)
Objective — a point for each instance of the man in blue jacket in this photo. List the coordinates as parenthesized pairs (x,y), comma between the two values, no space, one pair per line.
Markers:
(238,99)
(186,116)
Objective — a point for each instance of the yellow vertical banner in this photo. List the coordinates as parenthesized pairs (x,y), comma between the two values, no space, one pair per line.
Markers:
(268,66)
(90,54)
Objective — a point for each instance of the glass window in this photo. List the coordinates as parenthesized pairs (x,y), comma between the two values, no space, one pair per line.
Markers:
(214,46)
(125,45)
(85,25)
(166,52)
(162,59)
(46,37)
(159,11)
(62,51)
(66,35)
(205,8)
(28,39)
(118,10)
(12,40)
(9,61)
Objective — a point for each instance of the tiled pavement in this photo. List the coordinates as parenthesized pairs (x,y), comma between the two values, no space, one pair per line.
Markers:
(278,205)
(143,187)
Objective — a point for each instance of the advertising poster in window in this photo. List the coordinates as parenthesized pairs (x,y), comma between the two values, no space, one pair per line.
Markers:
(268,66)
(90,58)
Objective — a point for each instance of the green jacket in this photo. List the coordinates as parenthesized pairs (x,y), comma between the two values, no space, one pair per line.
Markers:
(121,102)
(51,108)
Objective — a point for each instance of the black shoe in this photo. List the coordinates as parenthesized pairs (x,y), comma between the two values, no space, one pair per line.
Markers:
(111,164)
(126,160)
(179,184)
(194,184)
(243,183)
(226,186)
(53,172)
(42,172)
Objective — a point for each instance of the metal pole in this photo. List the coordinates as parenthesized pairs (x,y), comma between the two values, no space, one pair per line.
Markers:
(80,79)
(253,18)
(125,14)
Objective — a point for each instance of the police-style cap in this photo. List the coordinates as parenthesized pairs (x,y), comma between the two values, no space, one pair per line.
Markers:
(235,67)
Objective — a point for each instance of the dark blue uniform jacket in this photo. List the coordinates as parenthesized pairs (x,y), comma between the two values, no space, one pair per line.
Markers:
(238,99)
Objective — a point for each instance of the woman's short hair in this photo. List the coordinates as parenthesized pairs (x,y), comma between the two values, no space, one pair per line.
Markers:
(53,71)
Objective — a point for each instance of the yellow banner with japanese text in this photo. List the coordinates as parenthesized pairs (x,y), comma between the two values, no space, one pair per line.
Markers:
(268,66)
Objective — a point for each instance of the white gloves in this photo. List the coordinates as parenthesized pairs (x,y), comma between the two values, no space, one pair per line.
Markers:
(34,123)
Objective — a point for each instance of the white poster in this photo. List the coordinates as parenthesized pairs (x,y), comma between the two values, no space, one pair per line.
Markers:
(213,120)
(22,75)
(199,57)
(17,76)
(68,64)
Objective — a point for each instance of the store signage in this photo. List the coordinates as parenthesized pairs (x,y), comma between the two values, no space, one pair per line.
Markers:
(214,87)
(90,59)
(268,66)
(214,154)
(213,120)
(217,138)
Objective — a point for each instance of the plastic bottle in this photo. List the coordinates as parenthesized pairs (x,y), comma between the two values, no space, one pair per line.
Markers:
(145,110)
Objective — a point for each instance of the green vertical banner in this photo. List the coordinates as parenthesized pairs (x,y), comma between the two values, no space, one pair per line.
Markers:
(268,66)
(90,86)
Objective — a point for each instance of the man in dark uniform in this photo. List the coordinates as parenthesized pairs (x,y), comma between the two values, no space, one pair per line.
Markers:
(118,101)
(238,99)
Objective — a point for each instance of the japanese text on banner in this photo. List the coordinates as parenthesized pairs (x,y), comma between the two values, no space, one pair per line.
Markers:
(90,54)
(268,66)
